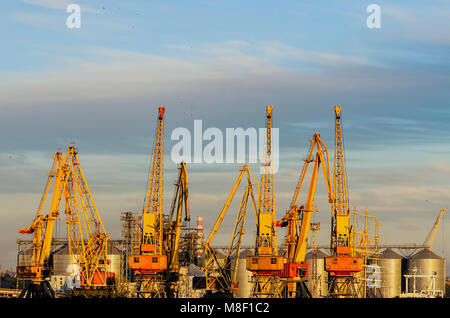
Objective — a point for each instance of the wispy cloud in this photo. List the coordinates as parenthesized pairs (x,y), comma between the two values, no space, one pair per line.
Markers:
(424,24)
(441,167)
(57,5)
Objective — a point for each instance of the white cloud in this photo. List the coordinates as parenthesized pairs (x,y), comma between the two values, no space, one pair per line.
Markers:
(103,74)
(280,50)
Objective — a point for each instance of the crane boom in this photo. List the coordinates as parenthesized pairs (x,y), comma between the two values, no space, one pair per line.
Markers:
(297,236)
(173,229)
(431,236)
(224,280)
(320,160)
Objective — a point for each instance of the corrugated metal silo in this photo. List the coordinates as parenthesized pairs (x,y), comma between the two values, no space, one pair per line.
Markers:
(62,261)
(318,277)
(243,276)
(390,264)
(426,263)
(115,258)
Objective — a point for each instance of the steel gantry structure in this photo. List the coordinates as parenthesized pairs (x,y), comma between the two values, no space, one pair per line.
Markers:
(220,275)
(155,260)
(172,229)
(342,265)
(150,262)
(87,238)
(265,264)
(298,220)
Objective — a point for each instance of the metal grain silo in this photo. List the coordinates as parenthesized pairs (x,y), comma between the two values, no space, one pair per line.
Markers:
(24,257)
(243,276)
(426,263)
(62,261)
(115,261)
(318,277)
(390,264)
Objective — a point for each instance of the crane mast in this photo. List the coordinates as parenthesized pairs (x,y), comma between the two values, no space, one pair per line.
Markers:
(152,214)
(340,238)
(265,264)
(267,243)
(150,261)
(341,265)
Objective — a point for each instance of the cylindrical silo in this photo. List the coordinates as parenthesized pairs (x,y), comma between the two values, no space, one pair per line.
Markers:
(423,266)
(390,264)
(24,258)
(61,261)
(243,276)
(64,268)
(115,261)
(318,277)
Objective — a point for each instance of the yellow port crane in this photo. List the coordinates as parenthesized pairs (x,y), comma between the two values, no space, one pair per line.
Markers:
(342,265)
(265,264)
(88,240)
(172,230)
(150,261)
(39,269)
(298,220)
(220,275)
(87,237)
(156,259)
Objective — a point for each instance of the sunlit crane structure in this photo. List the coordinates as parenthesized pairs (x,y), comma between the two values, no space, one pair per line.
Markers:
(150,261)
(40,269)
(428,243)
(87,238)
(156,260)
(172,230)
(341,265)
(220,275)
(298,219)
(265,264)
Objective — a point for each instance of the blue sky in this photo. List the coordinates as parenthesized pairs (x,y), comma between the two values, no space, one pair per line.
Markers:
(222,62)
